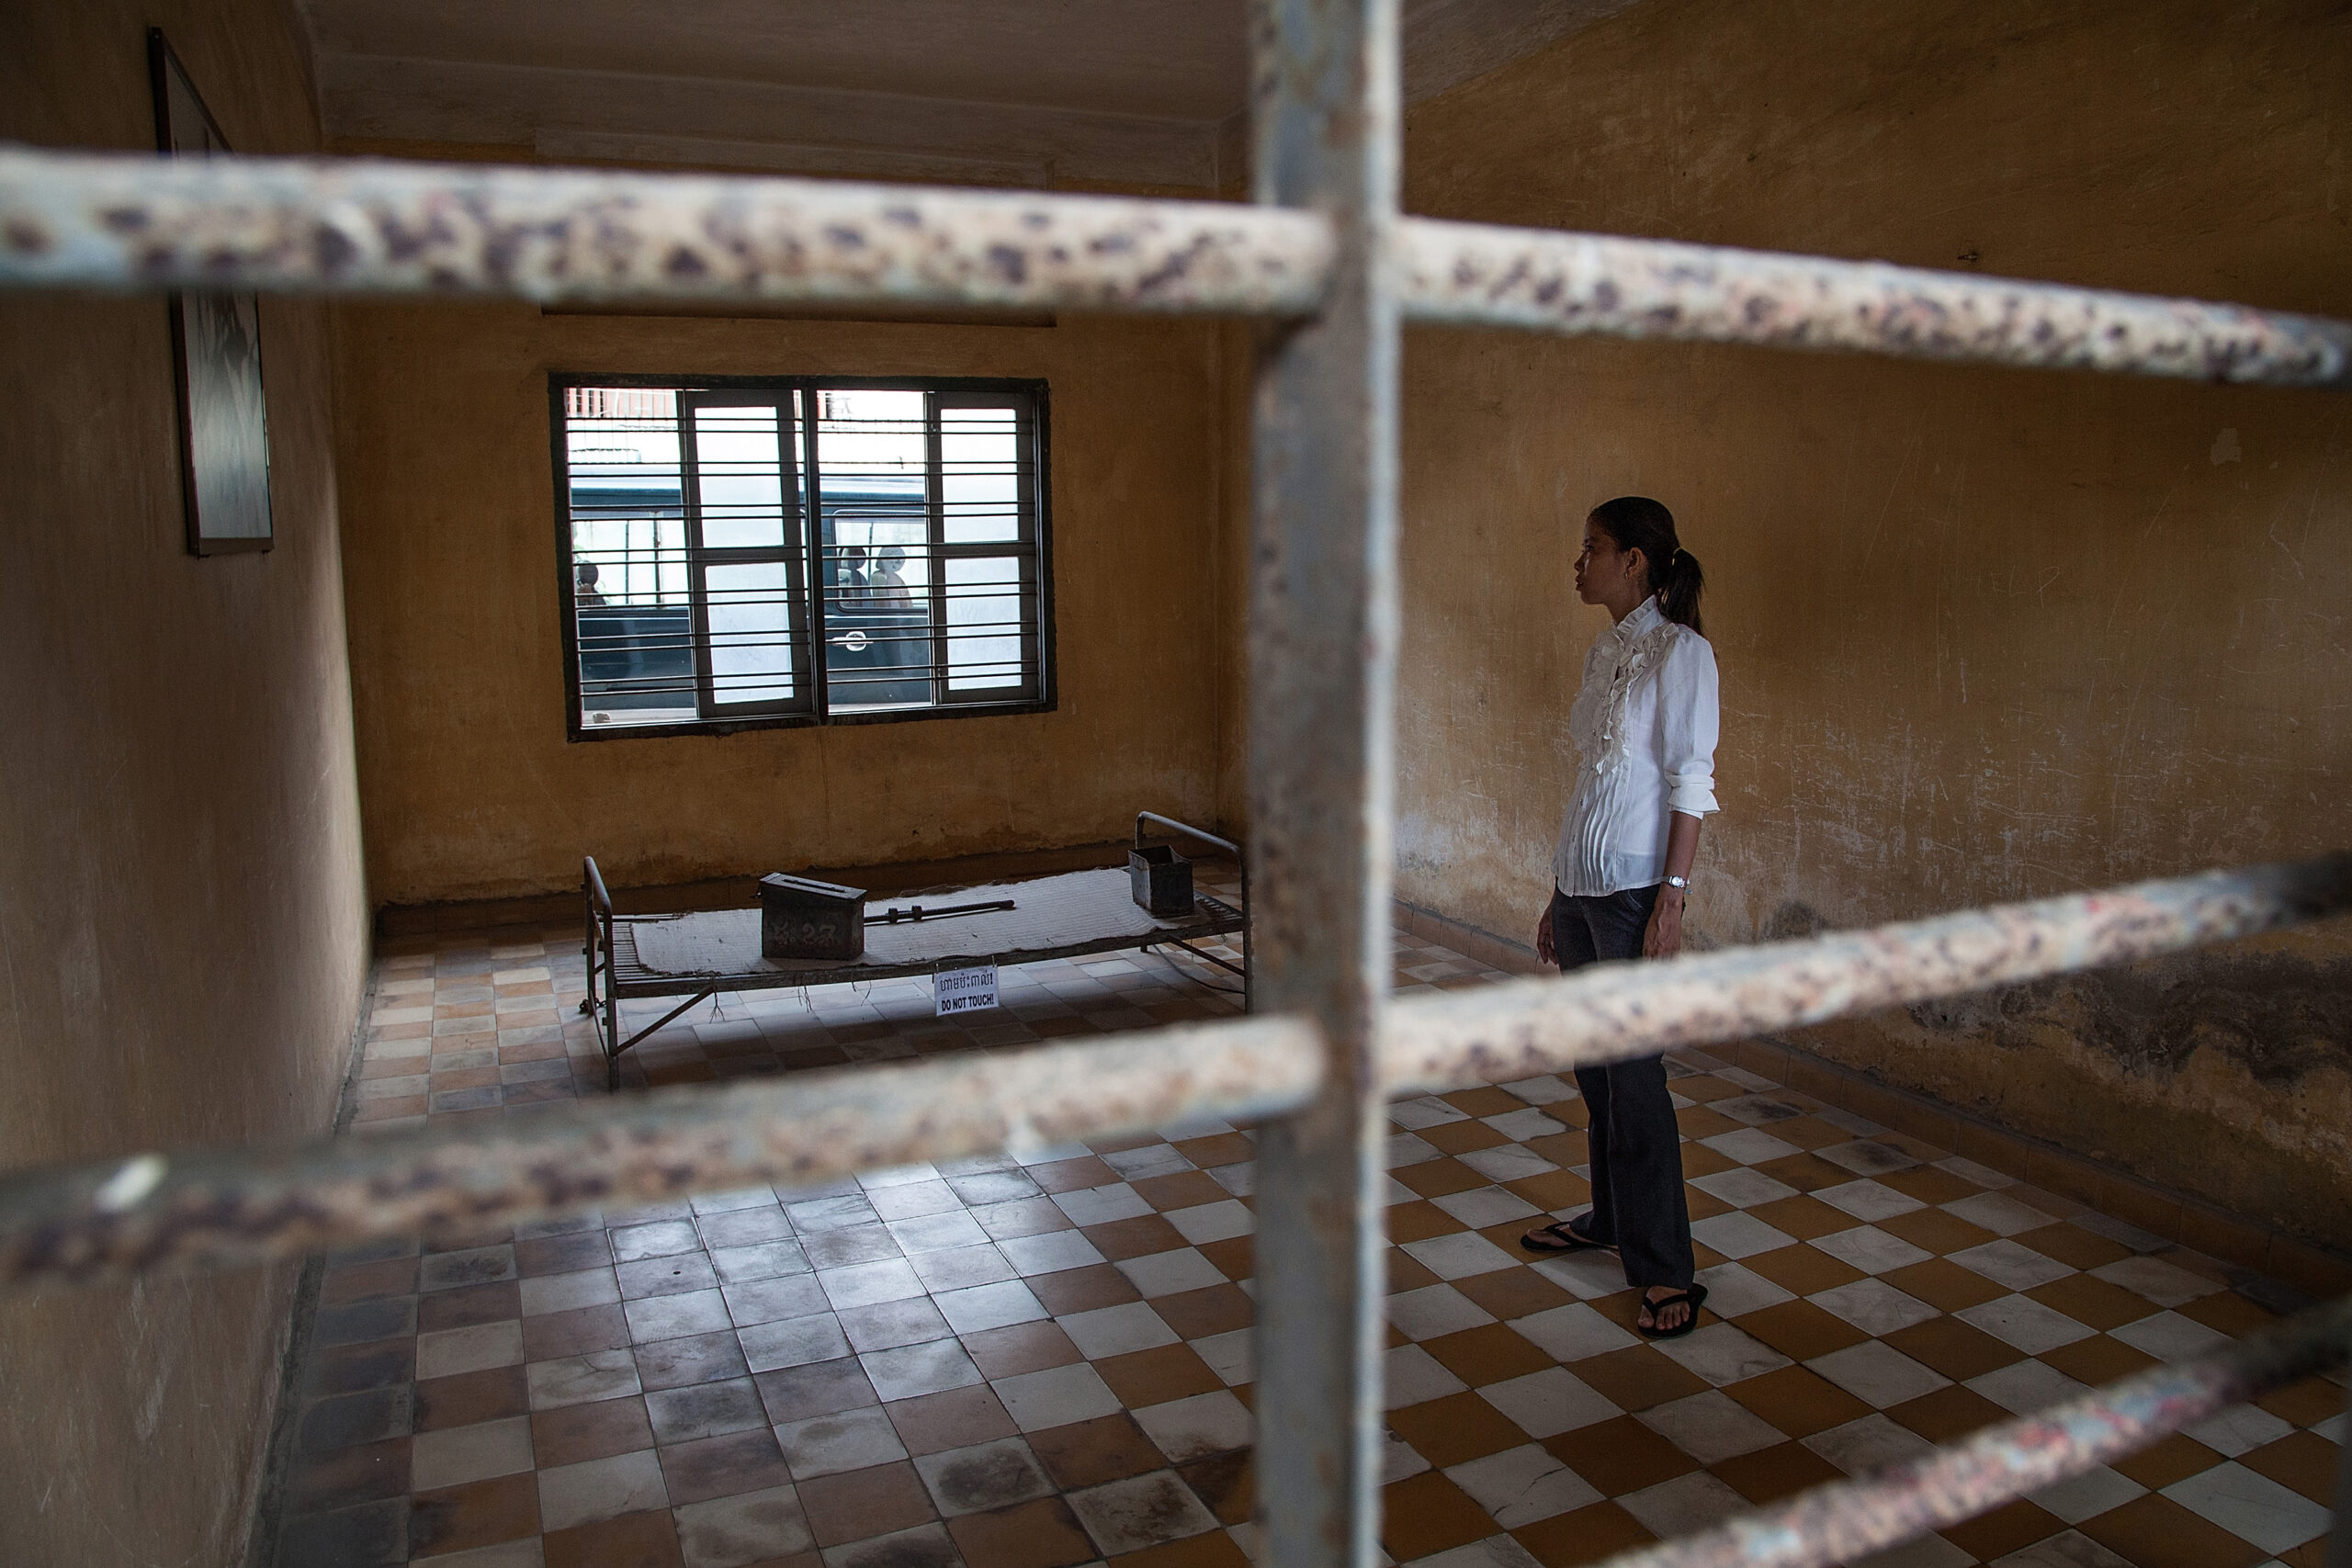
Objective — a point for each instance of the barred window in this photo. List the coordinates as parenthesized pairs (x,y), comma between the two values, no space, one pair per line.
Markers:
(739,553)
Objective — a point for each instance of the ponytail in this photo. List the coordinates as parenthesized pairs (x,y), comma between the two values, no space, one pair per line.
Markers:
(1678,594)
(1637,523)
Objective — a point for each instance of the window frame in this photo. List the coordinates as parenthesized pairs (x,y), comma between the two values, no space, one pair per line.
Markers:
(814,710)
(703,558)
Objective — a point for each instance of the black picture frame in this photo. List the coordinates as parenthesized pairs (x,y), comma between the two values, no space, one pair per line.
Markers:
(216,357)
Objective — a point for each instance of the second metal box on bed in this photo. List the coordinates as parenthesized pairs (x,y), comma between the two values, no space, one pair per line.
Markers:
(1161,877)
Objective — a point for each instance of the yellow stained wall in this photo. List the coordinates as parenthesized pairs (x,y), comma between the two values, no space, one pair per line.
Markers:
(1984,635)
(471,788)
(183,924)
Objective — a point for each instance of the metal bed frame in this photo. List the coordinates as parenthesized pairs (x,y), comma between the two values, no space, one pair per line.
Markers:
(1323,254)
(615,974)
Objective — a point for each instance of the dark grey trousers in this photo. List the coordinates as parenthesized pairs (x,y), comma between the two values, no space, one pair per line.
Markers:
(1636,1147)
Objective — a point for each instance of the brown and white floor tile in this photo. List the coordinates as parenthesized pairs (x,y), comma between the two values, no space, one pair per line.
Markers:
(1046,1363)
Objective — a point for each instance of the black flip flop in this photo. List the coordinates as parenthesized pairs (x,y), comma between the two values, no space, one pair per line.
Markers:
(1562,1236)
(1696,1295)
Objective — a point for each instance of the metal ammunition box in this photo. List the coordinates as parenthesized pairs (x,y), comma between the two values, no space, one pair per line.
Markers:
(801,918)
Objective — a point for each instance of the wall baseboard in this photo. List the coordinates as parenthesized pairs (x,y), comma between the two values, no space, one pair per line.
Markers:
(1494,952)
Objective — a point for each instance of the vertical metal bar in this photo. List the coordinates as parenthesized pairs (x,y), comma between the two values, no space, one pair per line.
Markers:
(790,533)
(688,405)
(1322,640)
(812,403)
(566,598)
(934,516)
(1029,508)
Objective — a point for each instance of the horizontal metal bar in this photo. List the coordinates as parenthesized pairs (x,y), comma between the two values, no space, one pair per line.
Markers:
(98,1221)
(364,226)
(1615,1011)
(1479,275)
(118,1216)
(121,222)
(1847,1520)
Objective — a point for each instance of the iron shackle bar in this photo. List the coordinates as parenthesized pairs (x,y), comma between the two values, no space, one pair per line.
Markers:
(113,1218)
(131,223)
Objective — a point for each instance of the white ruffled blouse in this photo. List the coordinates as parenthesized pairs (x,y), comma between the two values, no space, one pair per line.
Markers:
(1645,729)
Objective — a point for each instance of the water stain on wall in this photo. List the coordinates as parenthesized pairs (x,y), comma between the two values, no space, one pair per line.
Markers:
(2278,1017)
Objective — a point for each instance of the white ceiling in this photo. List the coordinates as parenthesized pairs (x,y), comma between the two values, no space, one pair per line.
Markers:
(1022,92)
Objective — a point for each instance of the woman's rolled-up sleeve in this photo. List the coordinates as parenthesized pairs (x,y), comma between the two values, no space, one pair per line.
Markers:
(1688,721)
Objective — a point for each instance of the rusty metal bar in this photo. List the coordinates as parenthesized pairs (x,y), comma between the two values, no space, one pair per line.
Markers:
(117,223)
(121,222)
(1479,275)
(1611,1012)
(122,1216)
(1845,1521)
(119,1216)
(1322,674)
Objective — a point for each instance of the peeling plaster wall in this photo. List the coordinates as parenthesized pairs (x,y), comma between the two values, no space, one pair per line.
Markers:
(1984,635)
(470,787)
(183,924)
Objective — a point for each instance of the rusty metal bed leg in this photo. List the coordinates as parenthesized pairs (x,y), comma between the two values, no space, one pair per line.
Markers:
(612,1057)
(1322,654)
(1241,858)
(599,901)
(612,1044)
(609,1033)
(588,945)
(1249,970)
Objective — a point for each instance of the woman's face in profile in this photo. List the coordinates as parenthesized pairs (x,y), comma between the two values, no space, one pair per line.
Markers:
(1602,570)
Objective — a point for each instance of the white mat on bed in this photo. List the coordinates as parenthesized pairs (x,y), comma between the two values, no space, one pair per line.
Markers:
(1050,912)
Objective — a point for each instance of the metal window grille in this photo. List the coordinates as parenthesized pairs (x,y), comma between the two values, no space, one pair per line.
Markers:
(1325,251)
(730,558)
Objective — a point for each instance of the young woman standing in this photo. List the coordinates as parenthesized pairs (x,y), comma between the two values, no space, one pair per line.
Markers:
(1645,729)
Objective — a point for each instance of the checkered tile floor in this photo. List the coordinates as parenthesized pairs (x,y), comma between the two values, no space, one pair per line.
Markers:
(1047,1364)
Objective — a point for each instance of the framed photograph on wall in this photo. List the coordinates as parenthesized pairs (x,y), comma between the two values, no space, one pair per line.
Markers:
(216,357)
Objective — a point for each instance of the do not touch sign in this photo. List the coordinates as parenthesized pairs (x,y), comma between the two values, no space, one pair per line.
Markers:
(963,990)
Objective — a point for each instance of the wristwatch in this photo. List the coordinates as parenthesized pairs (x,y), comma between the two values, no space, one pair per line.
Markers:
(1678,882)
